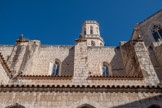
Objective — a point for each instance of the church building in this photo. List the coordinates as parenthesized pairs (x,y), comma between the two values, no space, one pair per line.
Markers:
(87,74)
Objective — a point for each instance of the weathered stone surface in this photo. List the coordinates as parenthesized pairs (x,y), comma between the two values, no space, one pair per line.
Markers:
(74,100)
(133,81)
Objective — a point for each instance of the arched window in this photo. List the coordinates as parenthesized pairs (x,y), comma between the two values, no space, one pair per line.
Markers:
(91,30)
(84,31)
(105,70)
(93,43)
(157,32)
(56,68)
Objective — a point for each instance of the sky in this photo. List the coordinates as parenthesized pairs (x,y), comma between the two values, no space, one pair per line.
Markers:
(58,22)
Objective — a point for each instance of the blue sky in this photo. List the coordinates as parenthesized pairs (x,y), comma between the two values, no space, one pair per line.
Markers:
(59,22)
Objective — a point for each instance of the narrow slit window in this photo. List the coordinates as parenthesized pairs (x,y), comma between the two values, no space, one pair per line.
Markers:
(97,30)
(84,31)
(91,30)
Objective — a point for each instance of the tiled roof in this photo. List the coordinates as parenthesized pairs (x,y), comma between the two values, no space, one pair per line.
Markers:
(81,88)
(96,77)
(43,77)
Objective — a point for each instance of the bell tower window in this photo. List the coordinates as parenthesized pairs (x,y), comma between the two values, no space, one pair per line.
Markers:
(91,30)
(157,32)
(97,30)
(84,31)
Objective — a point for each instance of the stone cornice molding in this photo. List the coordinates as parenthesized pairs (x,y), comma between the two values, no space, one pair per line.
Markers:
(90,22)
(80,88)
(93,77)
(96,77)
(100,38)
(47,77)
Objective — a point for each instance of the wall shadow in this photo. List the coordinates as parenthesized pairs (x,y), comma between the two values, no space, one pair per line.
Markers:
(152,102)
(155,63)
(67,67)
(117,64)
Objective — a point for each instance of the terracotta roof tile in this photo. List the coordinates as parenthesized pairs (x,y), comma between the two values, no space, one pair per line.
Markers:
(96,77)
(83,88)
(49,77)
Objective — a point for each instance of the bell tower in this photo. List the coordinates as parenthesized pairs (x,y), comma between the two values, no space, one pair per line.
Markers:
(91,32)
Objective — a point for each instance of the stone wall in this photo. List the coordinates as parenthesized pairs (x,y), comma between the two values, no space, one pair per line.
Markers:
(4,79)
(146,66)
(31,58)
(145,28)
(137,61)
(111,55)
(48,54)
(80,62)
(157,49)
(22,56)
(130,59)
(81,81)
(6,50)
(78,99)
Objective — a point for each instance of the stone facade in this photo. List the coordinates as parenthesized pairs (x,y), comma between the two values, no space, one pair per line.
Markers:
(87,74)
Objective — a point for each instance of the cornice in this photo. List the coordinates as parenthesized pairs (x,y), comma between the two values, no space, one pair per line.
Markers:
(44,77)
(90,22)
(100,38)
(80,88)
(92,77)
(97,77)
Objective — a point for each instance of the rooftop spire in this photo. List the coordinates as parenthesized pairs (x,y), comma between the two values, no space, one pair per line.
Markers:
(21,39)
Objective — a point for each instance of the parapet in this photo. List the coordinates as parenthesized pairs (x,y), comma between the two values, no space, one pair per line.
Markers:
(90,22)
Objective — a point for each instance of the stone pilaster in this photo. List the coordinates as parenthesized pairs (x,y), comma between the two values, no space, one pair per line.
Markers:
(80,62)
(157,48)
(146,66)
(137,61)
(17,56)
(22,56)
(131,65)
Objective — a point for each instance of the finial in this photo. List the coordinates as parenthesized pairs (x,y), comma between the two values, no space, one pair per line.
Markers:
(80,37)
(21,37)
(136,27)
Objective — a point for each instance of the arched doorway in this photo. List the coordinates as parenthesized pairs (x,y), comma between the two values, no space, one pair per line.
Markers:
(15,106)
(86,106)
